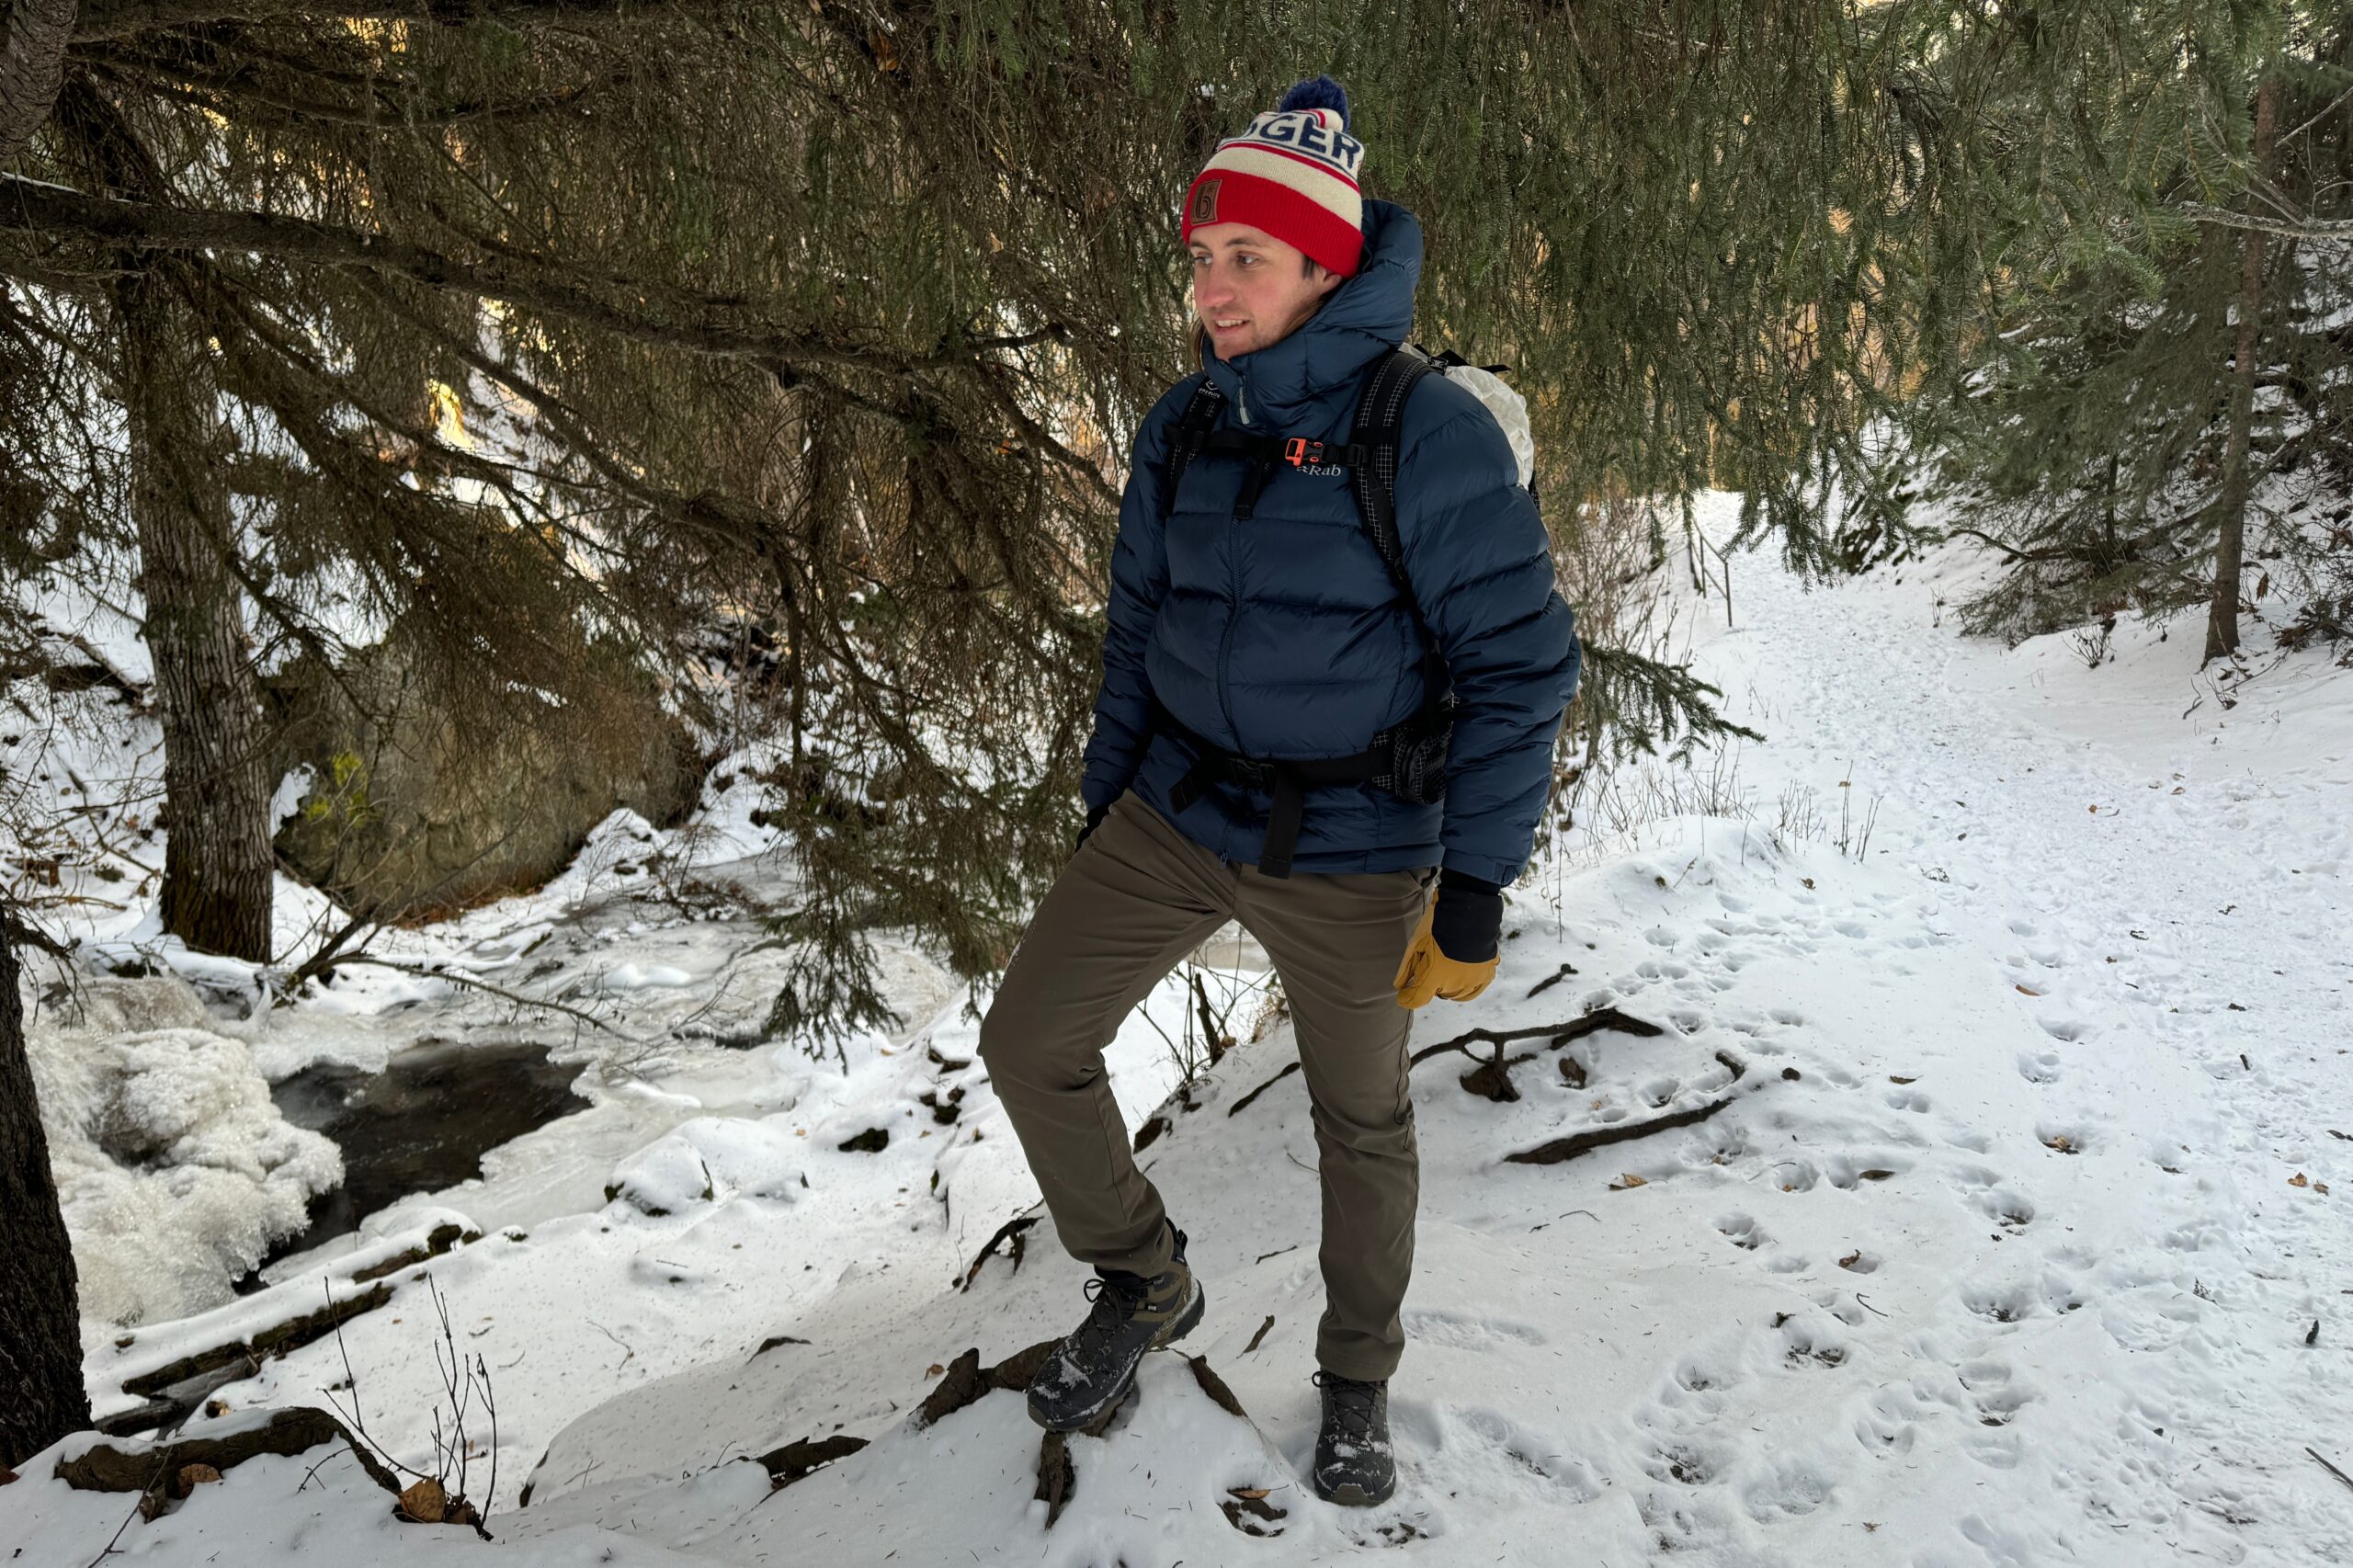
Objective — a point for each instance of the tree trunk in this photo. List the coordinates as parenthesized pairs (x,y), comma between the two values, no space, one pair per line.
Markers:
(33,35)
(2222,613)
(217,858)
(41,1327)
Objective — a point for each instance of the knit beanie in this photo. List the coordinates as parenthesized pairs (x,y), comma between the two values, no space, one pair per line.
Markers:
(1293,174)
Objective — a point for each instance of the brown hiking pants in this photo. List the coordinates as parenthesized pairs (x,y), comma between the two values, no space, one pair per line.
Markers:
(1136,898)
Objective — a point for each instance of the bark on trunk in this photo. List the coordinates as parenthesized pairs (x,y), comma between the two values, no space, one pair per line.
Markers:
(217,857)
(33,35)
(41,1329)
(2222,612)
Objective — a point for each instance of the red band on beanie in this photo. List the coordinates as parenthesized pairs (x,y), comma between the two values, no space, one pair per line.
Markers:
(1297,220)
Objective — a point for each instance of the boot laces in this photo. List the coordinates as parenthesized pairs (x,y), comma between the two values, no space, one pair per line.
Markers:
(1349,1406)
(1116,1298)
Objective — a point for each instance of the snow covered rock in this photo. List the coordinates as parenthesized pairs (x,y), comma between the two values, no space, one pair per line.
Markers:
(710,1160)
(176,1170)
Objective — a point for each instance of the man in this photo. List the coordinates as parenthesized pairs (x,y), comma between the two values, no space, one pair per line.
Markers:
(1253,620)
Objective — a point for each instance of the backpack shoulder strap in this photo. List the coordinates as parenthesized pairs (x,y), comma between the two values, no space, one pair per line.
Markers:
(1378,433)
(1193,427)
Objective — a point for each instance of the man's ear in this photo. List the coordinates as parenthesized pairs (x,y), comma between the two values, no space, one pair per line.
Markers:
(1326,281)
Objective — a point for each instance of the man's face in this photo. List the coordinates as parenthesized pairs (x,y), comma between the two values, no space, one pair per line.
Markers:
(1250,288)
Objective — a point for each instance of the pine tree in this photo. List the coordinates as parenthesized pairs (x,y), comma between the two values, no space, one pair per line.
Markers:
(2156,352)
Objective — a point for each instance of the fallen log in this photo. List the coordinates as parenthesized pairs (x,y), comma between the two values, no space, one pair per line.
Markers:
(439,1240)
(151,1470)
(275,1340)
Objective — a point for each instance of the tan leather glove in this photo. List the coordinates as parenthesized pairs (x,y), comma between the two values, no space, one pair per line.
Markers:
(1426,972)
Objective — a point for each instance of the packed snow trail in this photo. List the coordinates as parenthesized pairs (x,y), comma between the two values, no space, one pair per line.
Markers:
(2167,891)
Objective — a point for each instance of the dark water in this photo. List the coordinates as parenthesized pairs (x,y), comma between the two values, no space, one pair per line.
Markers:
(421,1125)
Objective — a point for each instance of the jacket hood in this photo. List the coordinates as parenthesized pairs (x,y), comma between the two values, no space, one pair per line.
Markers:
(1363,318)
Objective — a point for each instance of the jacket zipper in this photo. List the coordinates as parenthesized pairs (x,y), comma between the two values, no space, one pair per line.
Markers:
(1233,596)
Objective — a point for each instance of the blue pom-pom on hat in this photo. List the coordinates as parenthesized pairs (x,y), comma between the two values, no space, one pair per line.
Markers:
(1317,92)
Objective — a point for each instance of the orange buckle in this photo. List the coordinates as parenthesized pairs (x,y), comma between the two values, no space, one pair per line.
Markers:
(1299,449)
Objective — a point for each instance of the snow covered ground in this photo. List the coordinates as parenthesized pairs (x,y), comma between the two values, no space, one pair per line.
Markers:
(2005,1228)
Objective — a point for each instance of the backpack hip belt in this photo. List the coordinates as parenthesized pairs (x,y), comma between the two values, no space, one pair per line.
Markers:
(1287,781)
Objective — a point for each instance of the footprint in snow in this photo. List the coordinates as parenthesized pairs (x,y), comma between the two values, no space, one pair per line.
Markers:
(1658,1090)
(1495,1448)
(2007,1208)
(1849,1171)
(1994,1397)
(1889,1421)
(1742,1230)
(2039,1067)
(1686,1463)
(1460,1330)
(1809,1341)
(2052,1291)
(1794,1488)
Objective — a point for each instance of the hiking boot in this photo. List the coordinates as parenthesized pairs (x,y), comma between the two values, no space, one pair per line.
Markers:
(1092,1369)
(1355,1465)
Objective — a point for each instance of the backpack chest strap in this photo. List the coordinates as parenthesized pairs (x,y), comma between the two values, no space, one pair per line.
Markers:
(1266,454)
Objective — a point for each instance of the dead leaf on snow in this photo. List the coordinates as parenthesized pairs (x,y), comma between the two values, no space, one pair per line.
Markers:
(425,1503)
(1627,1180)
(2027,991)
(2298,1180)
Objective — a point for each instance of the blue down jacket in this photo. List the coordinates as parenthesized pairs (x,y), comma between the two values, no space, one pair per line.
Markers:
(1283,636)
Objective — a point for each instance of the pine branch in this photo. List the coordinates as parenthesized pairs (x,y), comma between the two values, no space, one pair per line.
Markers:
(2320,231)
(32,206)
(124,18)
(1645,703)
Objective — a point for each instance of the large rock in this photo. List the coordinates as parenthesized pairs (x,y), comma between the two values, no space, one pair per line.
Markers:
(422,795)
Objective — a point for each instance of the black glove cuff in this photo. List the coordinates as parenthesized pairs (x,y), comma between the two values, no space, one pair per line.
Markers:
(1468,920)
(1095,815)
